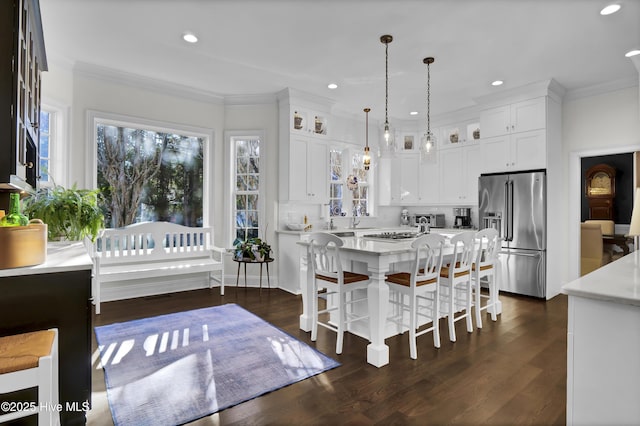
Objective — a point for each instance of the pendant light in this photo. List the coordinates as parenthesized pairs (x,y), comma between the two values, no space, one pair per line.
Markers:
(366,159)
(388,142)
(428,141)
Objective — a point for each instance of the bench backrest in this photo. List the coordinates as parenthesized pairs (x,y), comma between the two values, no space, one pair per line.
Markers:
(147,241)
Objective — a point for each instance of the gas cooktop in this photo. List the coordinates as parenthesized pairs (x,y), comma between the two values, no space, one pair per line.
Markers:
(392,236)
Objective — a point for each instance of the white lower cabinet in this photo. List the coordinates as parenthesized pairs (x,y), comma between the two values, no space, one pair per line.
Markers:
(517,151)
(290,273)
(459,171)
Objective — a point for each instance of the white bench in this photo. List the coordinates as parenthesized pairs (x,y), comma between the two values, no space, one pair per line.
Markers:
(153,249)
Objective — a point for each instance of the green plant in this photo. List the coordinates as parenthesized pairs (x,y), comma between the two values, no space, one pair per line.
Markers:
(69,213)
(247,249)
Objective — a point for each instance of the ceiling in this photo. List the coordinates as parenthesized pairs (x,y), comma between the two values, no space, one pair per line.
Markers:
(252,47)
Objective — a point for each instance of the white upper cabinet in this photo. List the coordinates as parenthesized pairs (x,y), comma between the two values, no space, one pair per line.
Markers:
(519,151)
(308,170)
(406,181)
(513,118)
(459,172)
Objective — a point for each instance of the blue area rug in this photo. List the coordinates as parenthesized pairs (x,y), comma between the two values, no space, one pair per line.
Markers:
(176,368)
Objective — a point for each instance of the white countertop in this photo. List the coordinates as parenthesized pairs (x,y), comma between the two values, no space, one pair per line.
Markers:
(617,281)
(61,257)
(385,247)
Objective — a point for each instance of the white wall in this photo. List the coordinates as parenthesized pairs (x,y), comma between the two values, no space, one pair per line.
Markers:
(592,125)
(596,125)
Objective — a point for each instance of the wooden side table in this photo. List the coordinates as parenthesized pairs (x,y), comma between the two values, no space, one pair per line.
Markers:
(247,261)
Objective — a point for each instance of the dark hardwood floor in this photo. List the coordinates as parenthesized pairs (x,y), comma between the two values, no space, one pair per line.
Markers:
(513,371)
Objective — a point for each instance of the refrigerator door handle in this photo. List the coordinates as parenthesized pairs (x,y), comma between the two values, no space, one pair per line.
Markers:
(506,211)
(510,210)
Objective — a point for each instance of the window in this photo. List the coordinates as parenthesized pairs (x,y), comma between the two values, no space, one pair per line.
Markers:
(246,153)
(336,182)
(46,126)
(347,170)
(148,174)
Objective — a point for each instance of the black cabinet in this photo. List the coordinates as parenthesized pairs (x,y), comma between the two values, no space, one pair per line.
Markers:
(22,60)
(62,300)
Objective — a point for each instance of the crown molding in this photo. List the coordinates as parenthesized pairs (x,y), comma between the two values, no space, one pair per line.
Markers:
(258,99)
(600,89)
(137,81)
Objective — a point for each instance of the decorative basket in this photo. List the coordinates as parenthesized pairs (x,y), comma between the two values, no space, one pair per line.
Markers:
(23,245)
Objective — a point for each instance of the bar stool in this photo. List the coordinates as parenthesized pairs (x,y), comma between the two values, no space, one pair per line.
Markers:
(485,267)
(421,284)
(28,360)
(455,278)
(324,258)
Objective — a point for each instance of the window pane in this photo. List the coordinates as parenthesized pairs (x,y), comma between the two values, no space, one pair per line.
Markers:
(241,148)
(241,183)
(254,148)
(252,218)
(241,220)
(254,165)
(241,202)
(242,165)
(163,170)
(252,202)
(252,183)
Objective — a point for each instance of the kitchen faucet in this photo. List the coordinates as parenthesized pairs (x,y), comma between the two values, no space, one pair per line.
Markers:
(355,213)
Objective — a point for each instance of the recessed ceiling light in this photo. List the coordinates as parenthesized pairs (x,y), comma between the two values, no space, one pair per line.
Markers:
(190,37)
(632,53)
(332,86)
(608,10)
(497,83)
(413,113)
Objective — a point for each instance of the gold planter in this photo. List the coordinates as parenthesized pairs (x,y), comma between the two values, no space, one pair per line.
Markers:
(23,245)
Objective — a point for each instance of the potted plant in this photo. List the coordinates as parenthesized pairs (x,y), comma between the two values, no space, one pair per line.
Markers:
(252,248)
(70,214)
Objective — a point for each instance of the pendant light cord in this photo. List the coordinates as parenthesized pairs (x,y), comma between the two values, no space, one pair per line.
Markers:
(428,99)
(386,79)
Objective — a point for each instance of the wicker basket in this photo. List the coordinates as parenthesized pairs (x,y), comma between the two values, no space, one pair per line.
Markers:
(23,245)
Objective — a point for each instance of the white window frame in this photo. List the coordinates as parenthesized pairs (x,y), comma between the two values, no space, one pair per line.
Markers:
(97,117)
(230,182)
(58,150)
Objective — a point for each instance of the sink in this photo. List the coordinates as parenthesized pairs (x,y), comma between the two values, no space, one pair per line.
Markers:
(344,234)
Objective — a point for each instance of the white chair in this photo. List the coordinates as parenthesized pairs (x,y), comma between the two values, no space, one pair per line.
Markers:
(31,360)
(484,268)
(421,284)
(327,271)
(455,279)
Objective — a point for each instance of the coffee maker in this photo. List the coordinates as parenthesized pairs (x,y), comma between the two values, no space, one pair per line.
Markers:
(462,217)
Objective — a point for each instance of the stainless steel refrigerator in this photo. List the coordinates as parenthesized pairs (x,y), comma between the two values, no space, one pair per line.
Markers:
(515,205)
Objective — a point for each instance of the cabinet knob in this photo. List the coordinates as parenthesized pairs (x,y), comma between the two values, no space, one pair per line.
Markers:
(30,165)
(507,128)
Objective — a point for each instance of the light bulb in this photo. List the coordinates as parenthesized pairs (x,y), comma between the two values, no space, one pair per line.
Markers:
(366,158)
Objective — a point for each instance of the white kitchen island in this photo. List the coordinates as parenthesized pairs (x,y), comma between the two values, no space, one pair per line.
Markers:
(375,258)
(603,345)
